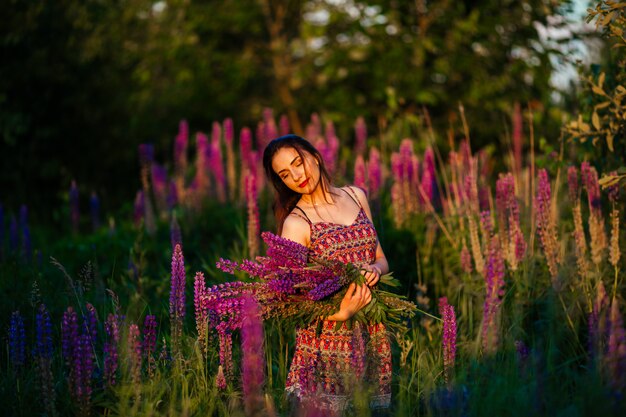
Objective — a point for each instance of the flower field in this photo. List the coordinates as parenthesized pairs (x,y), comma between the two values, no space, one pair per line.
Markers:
(514,262)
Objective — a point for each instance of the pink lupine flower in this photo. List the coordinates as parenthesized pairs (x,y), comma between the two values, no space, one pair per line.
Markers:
(253,363)
(374,173)
(572,182)
(448,337)
(494,290)
(220,379)
(202,314)
(359,173)
(254,226)
(360,133)
(245,147)
(466,259)
(177,296)
(546,226)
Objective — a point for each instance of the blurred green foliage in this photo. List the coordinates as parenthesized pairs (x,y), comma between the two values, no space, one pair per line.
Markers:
(82,83)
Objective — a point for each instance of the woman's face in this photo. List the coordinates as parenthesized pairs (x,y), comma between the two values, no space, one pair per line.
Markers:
(300,174)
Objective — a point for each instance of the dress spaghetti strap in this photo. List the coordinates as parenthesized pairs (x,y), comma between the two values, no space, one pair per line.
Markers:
(353,196)
(305,217)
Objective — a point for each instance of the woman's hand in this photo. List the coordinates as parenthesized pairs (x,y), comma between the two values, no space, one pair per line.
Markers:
(371,273)
(357,297)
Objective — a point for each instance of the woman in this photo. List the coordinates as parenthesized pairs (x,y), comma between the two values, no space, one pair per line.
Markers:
(334,223)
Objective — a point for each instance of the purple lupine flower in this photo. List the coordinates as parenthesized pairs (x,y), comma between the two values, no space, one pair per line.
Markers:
(504,188)
(245,148)
(543,199)
(227,265)
(17,341)
(74,210)
(84,367)
(43,358)
(546,226)
(374,172)
(134,353)
(172,196)
(175,233)
(485,221)
(160,185)
(261,140)
(282,286)
(254,226)
(111,356)
(359,172)
(283,125)
(229,131)
(613,190)
(590,180)
(177,295)
(253,362)
(448,336)
(91,324)
(616,350)
(180,148)
(325,289)
(494,289)
(69,334)
(94,208)
(43,327)
(146,154)
(149,335)
(572,182)
(360,133)
(285,251)
(139,208)
(428,182)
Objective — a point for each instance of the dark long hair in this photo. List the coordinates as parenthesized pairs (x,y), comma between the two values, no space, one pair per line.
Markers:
(286,199)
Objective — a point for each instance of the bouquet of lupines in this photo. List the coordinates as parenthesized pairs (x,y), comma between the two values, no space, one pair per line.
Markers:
(289,287)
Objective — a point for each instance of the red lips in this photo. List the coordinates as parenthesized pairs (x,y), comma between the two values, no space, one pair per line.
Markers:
(304,183)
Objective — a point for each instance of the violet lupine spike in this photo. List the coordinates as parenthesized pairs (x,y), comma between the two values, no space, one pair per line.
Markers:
(74,209)
(360,134)
(325,289)
(287,252)
(111,355)
(177,295)
(448,337)
(283,125)
(485,221)
(84,362)
(91,323)
(69,334)
(17,341)
(229,131)
(146,153)
(282,286)
(253,363)
(374,173)
(149,335)
(225,352)
(466,259)
(616,350)
(590,181)
(227,265)
(43,358)
(359,172)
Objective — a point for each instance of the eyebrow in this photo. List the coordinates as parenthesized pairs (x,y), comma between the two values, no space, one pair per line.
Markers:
(290,163)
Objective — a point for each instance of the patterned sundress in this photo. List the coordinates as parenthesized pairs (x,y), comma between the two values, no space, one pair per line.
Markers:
(326,368)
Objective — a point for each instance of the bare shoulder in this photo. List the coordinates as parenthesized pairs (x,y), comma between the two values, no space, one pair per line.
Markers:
(360,193)
(296,228)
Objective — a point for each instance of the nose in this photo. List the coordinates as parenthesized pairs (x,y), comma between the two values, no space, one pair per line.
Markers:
(296,173)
